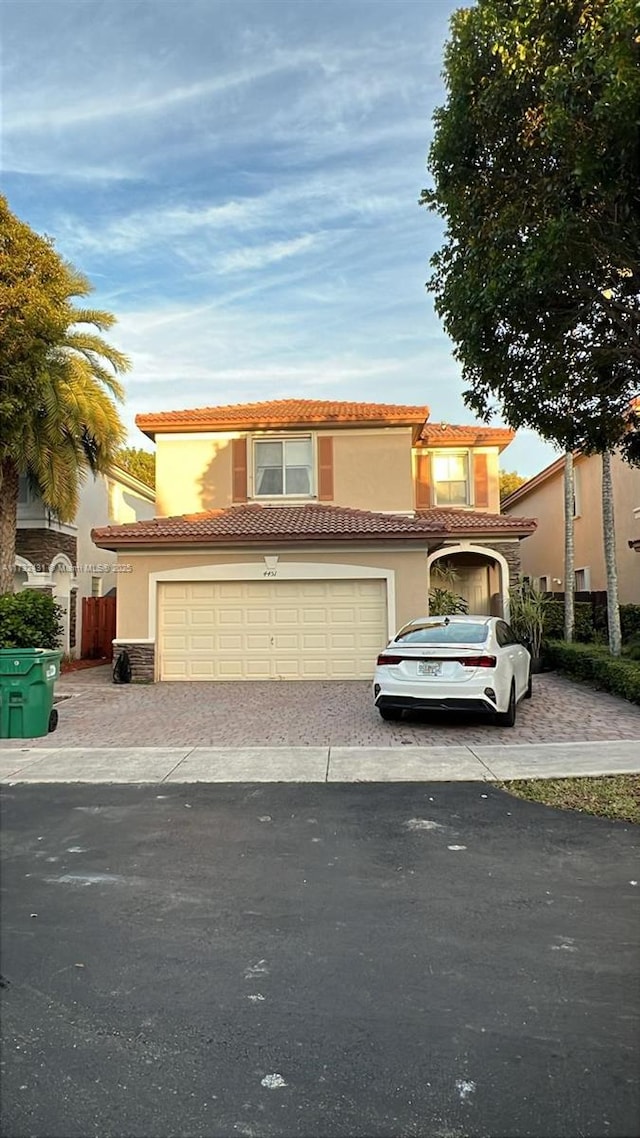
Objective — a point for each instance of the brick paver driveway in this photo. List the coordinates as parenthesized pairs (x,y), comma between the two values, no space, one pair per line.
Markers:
(99,713)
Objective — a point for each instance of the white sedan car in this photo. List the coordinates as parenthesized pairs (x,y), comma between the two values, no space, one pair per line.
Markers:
(453,663)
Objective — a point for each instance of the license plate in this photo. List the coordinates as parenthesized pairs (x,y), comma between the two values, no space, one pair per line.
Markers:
(427,669)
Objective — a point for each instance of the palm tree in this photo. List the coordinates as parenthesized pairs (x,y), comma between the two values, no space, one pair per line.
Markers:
(71,427)
(569,548)
(609,536)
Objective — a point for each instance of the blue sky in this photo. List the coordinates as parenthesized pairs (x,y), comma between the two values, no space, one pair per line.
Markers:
(240,182)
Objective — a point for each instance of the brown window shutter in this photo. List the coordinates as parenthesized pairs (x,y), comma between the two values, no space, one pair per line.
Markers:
(423,482)
(481,482)
(239,462)
(325,468)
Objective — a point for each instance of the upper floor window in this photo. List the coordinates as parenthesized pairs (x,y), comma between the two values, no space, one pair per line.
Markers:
(283,467)
(451,479)
(582,580)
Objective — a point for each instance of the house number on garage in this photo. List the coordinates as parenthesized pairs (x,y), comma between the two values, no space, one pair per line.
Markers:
(270,573)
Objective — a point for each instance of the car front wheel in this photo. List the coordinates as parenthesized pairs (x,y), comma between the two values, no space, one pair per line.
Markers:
(508,718)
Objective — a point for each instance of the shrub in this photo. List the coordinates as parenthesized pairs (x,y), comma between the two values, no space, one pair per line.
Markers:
(630,621)
(527,607)
(589,662)
(444,602)
(554,621)
(29,620)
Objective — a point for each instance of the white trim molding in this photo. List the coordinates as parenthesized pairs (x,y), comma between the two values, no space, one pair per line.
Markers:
(486,551)
(256,571)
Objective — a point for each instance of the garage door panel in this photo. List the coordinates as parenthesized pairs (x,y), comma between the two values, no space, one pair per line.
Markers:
(228,617)
(329,629)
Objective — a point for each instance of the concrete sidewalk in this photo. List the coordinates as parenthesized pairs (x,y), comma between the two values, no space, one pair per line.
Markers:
(316,764)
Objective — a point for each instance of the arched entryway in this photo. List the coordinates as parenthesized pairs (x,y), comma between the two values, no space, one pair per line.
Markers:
(480,575)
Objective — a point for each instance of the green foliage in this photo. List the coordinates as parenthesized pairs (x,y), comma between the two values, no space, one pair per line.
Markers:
(554,621)
(616,674)
(444,602)
(630,622)
(141,463)
(535,164)
(632,648)
(509,480)
(58,381)
(29,619)
(527,614)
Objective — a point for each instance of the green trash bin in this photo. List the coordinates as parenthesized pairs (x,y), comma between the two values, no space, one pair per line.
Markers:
(27,678)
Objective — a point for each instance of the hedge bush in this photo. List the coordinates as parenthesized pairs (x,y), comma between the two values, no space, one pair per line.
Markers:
(592,663)
(554,621)
(590,621)
(29,619)
(629,621)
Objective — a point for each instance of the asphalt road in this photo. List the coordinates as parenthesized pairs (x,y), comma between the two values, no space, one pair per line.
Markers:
(385,960)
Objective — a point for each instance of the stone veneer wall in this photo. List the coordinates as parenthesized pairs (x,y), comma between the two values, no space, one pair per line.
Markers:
(73,617)
(510,550)
(40,546)
(142,657)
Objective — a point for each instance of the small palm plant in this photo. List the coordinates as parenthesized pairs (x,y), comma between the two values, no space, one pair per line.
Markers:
(443,598)
(528,607)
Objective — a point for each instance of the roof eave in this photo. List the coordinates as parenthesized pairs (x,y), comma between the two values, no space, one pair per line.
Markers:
(152,428)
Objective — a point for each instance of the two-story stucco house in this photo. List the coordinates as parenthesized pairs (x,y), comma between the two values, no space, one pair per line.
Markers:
(543,554)
(62,558)
(294,537)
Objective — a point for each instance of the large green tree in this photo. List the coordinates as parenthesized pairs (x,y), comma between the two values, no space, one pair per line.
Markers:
(536,172)
(59,385)
(141,463)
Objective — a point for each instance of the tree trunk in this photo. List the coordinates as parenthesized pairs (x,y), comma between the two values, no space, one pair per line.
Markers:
(609,535)
(569,553)
(9,480)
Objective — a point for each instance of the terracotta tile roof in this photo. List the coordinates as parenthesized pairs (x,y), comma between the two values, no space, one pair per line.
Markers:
(434,434)
(259,524)
(282,413)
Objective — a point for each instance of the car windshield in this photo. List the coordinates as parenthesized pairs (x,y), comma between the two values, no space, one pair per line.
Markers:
(442,632)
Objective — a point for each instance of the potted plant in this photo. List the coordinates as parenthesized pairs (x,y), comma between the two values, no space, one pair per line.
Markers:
(528,606)
(443,598)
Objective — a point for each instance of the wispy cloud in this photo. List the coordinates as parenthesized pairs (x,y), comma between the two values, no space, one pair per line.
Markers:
(241,182)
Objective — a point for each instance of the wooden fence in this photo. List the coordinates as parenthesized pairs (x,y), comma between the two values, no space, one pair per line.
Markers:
(98,627)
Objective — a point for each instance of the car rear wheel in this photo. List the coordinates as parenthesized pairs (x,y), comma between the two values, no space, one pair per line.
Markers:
(390,713)
(508,718)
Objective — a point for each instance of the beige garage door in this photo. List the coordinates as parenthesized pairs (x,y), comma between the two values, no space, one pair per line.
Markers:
(271,630)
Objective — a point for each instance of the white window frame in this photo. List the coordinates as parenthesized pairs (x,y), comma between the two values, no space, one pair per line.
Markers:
(543,588)
(450,453)
(298,438)
(586,569)
(96,581)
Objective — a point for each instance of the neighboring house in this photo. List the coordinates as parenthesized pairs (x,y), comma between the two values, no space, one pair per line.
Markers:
(294,537)
(634,542)
(62,558)
(543,554)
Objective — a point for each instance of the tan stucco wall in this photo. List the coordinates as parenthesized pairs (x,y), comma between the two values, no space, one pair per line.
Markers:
(372,470)
(104,501)
(543,552)
(193,473)
(410,567)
